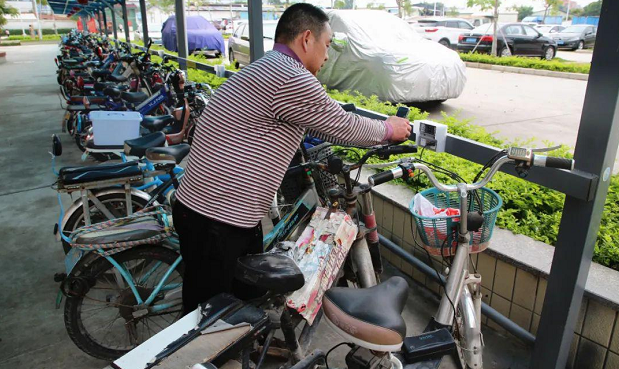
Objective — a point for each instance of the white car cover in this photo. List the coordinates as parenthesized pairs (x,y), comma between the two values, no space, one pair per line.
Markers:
(376,53)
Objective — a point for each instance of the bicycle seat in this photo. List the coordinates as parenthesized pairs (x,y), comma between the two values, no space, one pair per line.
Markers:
(170,154)
(157,123)
(84,108)
(101,73)
(369,317)
(137,146)
(73,175)
(93,63)
(276,273)
(134,97)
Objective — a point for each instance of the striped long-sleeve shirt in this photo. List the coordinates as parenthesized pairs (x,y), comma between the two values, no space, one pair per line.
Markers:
(249,132)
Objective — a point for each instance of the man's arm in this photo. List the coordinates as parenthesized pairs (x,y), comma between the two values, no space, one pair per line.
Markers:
(302,101)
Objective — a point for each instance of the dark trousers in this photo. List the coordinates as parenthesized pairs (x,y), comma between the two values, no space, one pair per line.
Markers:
(210,250)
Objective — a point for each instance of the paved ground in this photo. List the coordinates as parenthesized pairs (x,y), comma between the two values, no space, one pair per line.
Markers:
(520,106)
(32,333)
(582,56)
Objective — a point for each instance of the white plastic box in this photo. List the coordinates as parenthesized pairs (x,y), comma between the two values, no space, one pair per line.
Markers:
(112,128)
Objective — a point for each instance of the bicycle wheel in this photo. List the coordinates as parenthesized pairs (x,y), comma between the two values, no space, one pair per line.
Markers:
(100,315)
(116,203)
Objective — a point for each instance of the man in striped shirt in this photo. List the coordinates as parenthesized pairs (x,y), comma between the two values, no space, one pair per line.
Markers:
(243,144)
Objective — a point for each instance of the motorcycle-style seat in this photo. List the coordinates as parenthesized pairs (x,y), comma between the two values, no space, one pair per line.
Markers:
(157,123)
(137,146)
(101,73)
(117,77)
(93,63)
(134,97)
(112,92)
(100,86)
(272,272)
(74,175)
(170,154)
(369,317)
(83,108)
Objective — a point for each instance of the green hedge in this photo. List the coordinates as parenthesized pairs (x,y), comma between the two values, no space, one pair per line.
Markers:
(28,39)
(10,43)
(18,32)
(522,62)
(528,209)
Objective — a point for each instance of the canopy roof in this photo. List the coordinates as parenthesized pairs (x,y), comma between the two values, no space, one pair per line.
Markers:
(73,7)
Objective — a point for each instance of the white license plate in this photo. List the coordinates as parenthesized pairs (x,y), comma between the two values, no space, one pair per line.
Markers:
(560,42)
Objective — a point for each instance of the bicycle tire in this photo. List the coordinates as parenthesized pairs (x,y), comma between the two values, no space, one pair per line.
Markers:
(97,273)
(76,219)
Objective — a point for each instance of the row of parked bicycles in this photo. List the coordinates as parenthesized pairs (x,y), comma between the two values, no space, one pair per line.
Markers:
(123,271)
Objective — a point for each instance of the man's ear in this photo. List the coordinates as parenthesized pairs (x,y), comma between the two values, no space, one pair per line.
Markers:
(305,39)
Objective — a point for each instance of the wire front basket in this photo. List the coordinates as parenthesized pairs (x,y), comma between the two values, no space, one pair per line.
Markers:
(439,235)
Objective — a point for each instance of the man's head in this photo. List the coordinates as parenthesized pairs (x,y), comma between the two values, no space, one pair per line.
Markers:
(305,29)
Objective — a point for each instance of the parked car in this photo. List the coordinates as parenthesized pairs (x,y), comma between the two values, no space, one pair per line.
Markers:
(392,62)
(512,39)
(238,43)
(547,29)
(576,37)
(202,36)
(154,32)
(445,31)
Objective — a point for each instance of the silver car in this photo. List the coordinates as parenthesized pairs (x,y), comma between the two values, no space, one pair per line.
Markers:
(238,43)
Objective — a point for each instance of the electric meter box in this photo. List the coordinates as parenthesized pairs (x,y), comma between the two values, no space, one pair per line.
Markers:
(430,135)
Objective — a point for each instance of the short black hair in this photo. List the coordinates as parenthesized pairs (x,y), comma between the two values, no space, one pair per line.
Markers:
(299,18)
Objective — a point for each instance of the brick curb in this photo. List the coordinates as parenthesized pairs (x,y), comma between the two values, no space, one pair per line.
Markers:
(531,71)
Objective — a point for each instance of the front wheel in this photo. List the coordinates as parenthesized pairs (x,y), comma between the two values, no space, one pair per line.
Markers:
(445,43)
(467,331)
(100,311)
(549,54)
(580,46)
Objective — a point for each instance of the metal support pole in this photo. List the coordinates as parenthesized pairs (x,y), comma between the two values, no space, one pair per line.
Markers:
(181,32)
(106,33)
(256,42)
(126,21)
(38,16)
(114,25)
(85,23)
(100,21)
(596,147)
(145,37)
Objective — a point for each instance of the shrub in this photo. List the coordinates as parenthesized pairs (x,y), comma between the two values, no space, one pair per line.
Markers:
(522,62)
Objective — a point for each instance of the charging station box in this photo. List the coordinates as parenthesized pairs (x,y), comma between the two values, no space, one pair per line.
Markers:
(430,135)
(112,128)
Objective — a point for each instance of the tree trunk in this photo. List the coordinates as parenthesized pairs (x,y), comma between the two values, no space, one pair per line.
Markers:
(493,51)
(545,14)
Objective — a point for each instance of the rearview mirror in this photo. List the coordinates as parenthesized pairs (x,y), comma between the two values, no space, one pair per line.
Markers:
(56,146)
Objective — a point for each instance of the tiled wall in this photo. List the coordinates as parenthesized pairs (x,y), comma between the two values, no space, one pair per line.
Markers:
(514,292)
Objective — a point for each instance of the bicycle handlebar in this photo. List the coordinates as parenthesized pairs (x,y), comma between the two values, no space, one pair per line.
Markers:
(524,158)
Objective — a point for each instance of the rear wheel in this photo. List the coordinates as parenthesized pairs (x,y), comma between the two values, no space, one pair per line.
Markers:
(115,203)
(445,43)
(505,51)
(580,46)
(99,313)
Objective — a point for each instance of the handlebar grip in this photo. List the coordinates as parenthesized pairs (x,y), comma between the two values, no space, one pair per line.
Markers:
(402,149)
(552,162)
(402,112)
(382,177)
(350,107)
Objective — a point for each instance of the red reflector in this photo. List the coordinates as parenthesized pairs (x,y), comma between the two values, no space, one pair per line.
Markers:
(486,39)
(431,29)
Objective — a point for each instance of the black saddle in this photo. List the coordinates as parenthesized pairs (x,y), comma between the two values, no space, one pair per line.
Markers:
(137,146)
(101,73)
(134,97)
(157,123)
(117,77)
(371,316)
(272,272)
(112,92)
(74,175)
(93,63)
(168,154)
(83,108)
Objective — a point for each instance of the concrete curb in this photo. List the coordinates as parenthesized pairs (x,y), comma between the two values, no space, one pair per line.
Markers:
(2,57)
(535,72)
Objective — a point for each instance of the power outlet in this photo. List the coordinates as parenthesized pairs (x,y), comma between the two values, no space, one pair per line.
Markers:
(431,135)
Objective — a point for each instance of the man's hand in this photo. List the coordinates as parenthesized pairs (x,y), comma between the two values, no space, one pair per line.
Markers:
(401,128)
